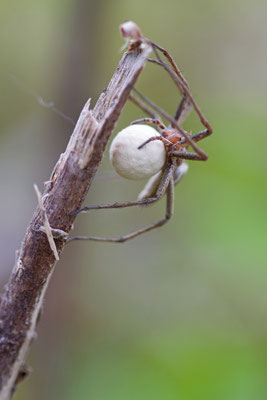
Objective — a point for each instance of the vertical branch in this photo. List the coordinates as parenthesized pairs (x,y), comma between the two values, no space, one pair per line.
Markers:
(65,192)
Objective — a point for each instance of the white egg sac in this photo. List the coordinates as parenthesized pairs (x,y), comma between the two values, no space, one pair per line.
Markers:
(131,162)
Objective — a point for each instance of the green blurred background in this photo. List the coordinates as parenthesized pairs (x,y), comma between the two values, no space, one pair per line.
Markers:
(179,313)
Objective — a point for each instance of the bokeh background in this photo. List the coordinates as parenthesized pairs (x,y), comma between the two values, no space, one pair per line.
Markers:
(181,312)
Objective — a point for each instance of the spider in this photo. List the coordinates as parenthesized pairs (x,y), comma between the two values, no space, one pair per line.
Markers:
(174,140)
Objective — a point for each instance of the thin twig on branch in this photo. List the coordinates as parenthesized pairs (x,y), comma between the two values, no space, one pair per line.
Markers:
(65,191)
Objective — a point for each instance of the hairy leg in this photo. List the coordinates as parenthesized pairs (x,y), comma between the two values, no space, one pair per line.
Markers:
(122,239)
(184,155)
(175,124)
(144,107)
(161,138)
(182,110)
(166,185)
(160,192)
(149,121)
(184,88)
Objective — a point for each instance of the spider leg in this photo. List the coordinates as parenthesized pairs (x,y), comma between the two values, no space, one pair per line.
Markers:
(150,121)
(183,107)
(197,137)
(201,135)
(143,107)
(171,61)
(163,139)
(182,110)
(184,88)
(160,192)
(168,215)
(172,121)
(184,155)
(166,186)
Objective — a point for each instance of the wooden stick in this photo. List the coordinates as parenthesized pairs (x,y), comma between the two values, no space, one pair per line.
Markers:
(65,191)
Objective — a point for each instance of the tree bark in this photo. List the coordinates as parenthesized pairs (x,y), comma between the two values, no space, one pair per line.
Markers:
(65,192)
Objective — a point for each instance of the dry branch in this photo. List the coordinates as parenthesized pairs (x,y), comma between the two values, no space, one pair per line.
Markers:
(65,191)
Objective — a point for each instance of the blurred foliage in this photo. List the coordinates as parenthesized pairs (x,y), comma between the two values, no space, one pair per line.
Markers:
(179,313)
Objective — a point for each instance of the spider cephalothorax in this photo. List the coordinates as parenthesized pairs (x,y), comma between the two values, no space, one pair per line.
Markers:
(173,144)
(172,137)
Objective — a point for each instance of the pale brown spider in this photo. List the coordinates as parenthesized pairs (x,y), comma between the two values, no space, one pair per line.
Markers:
(176,141)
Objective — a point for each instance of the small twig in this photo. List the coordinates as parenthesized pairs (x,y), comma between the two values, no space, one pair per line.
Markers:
(46,223)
